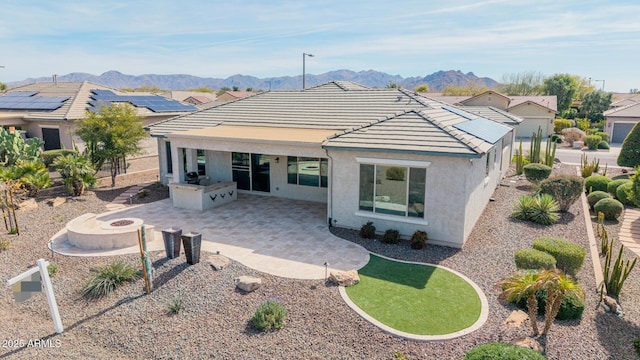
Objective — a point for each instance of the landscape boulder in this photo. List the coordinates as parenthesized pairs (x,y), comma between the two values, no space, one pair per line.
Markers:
(612,306)
(530,343)
(345,278)
(248,283)
(516,319)
(57,201)
(28,204)
(219,262)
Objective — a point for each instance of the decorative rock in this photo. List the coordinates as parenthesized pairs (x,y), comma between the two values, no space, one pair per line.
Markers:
(345,278)
(57,201)
(516,319)
(247,283)
(528,342)
(219,262)
(611,305)
(28,204)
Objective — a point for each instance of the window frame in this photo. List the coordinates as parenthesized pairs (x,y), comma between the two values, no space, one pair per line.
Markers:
(322,181)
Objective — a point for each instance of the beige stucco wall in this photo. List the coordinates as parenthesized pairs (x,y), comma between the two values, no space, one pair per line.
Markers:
(488,99)
(533,116)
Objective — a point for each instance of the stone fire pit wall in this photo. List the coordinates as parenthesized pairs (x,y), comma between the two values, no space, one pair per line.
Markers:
(87,232)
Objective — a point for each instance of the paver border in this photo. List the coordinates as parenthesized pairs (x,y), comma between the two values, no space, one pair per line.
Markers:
(484,309)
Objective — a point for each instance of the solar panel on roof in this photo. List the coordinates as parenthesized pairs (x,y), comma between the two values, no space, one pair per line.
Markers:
(27,101)
(154,103)
(21,93)
(487,130)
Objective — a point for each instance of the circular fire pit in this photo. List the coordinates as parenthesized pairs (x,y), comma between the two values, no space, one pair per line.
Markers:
(86,232)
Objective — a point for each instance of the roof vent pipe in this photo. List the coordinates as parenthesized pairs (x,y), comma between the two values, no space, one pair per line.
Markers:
(55,79)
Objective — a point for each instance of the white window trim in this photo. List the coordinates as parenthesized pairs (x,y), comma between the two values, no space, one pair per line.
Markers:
(393,162)
(401,219)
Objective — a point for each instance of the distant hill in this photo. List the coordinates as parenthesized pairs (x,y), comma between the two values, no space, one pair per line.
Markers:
(371,78)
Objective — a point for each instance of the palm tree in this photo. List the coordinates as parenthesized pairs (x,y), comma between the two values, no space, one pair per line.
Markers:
(29,176)
(519,286)
(76,171)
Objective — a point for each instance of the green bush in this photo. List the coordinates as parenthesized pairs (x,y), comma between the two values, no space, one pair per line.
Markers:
(542,209)
(561,124)
(536,172)
(108,278)
(502,351)
(49,156)
(395,173)
(604,135)
(569,256)
(572,305)
(592,141)
(391,237)
(556,138)
(534,259)
(269,315)
(603,145)
(368,231)
(611,208)
(630,148)
(596,196)
(612,186)
(566,189)
(596,183)
(418,239)
(624,193)
(53,269)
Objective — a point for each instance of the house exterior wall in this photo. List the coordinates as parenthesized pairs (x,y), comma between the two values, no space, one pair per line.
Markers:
(445,197)
(533,116)
(488,99)
(613,120)
(218,164)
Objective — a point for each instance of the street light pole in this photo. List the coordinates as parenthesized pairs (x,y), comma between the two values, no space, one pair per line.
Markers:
(304,57)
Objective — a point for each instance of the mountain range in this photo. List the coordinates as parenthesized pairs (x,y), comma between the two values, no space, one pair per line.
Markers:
(371,78)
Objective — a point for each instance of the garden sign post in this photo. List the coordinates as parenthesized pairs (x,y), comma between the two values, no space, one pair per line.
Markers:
(32,281)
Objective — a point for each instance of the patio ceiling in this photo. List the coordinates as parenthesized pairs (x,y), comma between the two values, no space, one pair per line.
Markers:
(282,135)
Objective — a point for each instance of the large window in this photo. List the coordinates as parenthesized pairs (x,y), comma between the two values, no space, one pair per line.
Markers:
(307,171)
(393,190)
(202,162)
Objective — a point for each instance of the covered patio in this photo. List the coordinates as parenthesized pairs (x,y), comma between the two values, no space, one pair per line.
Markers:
(283,237)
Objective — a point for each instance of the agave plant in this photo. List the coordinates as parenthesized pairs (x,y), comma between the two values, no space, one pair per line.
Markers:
(545,210)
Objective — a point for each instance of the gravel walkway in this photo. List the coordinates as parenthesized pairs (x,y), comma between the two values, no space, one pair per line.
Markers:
(215,319)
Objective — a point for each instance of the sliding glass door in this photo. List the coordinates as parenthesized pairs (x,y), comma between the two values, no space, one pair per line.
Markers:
(251,171)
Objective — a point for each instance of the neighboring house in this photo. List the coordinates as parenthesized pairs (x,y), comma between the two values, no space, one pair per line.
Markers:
(234,95)
(190,97)
(49,110)
(534,111)
(197,100)
(620,100)
(621,120)
(390,156)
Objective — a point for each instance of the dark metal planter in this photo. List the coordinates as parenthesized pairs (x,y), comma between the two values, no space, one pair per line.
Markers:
(171,237)
(192,241)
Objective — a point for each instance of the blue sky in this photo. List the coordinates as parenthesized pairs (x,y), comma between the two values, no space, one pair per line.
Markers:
(597,39)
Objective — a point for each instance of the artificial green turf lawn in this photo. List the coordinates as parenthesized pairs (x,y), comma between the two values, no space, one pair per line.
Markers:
(417,299)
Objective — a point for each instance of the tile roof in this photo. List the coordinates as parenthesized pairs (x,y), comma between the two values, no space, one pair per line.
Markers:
(630,110)
(497,115)
(547,101)
(384,119)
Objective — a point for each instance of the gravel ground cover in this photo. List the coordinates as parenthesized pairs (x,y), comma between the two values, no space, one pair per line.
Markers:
(215,320)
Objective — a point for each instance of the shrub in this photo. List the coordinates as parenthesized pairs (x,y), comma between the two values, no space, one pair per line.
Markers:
(4,245)
(542,209)
(604,135)
(583,124)
(49,156)
(572,137)
(108,278)
(592,141)
(418,239)
(596,196)
(612,186)
(175,306)
(368,231)
(53,269)
(536,172)
(561,124)
(624,193)
(391,237)
(502,351)
(636,345)
(611,208)
(571,307)
(603,145)
(569,256)
(630,148)
(566,189)
(534,259)
(596,183)
(574,130)
(395,173)
(556,138)
(143,194)
(269,315)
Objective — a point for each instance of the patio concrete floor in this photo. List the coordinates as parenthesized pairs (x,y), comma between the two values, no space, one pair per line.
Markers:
(282,237)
